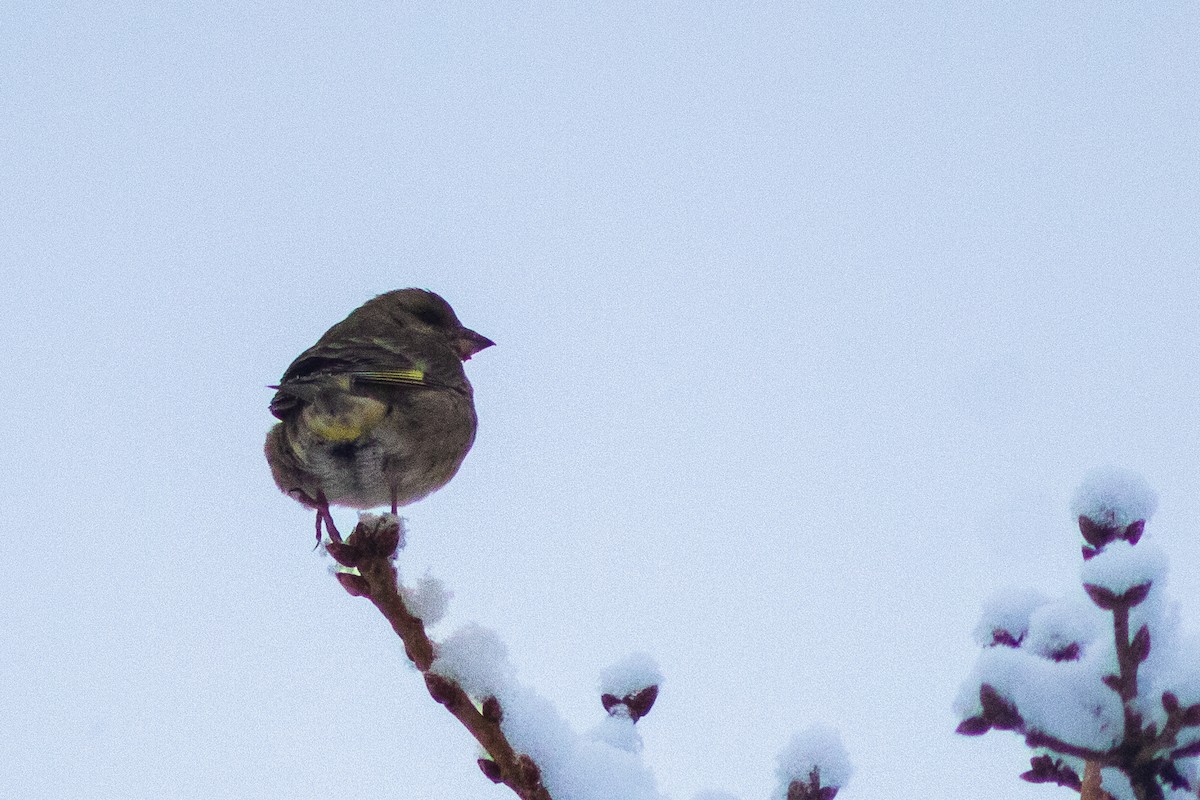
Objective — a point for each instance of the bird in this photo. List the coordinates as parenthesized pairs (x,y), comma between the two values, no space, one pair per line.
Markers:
(379,412)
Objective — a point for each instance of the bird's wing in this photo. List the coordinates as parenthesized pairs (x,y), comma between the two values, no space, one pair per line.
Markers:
(350,354)
(362,362)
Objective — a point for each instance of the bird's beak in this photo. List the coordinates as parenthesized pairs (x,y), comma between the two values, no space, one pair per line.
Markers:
(468,343)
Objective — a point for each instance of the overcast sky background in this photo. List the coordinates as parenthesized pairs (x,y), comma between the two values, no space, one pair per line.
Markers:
(810,318)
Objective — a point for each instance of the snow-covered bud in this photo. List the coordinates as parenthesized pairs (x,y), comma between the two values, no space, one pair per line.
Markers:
(1112,504)
(1108,599)
(1062,630)
(630,686)
(1006,616)
(813,766)
(635,706)
(1122,575)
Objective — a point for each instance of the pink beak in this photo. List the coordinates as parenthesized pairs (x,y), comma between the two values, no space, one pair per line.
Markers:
(468,343)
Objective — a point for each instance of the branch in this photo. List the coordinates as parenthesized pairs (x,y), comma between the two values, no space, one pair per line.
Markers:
(370,549)
(1127,663)
(1036,738)
(1091,783)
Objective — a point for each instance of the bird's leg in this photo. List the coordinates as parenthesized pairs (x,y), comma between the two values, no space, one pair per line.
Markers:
(334,535)
(323,515)
(395,505)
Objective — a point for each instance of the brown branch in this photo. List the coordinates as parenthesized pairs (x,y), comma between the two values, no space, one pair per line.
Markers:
(1091,783)
(369,549)
(1127,665)
(383,591)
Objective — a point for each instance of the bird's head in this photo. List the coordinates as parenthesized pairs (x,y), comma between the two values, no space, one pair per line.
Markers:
(427,312)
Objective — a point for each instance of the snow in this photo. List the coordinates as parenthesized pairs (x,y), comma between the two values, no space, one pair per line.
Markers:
(475,658)
(630,675)
(1182,675)
(1065,699)
(1055,626)
(817,747)
(1057,653)
(604,765)
(596,771)
(534,727)
(1061,651)
(428,600)
(1121,566)
(1166,668)
(1115,783)
(573,767)
(619,731)
(1114,496)
(1007,612)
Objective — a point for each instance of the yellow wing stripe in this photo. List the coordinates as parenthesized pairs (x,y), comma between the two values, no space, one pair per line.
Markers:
(411,377)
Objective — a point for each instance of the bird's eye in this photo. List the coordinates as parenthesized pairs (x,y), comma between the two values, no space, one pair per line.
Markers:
(431,316)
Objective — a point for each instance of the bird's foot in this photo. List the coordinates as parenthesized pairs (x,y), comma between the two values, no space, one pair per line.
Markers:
(323,516)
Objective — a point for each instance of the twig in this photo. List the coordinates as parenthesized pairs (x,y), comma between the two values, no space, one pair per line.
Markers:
(1036,738)
(1091,783)
(369,549)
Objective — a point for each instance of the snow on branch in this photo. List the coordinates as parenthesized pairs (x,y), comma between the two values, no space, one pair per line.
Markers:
(1099,684)
(527,745)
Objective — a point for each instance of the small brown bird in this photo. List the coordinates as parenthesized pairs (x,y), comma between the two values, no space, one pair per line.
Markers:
(379,411)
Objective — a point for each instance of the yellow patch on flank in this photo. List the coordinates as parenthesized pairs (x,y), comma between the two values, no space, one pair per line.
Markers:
(347,426)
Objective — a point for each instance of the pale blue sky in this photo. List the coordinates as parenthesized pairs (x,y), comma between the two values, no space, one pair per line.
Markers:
(810,317)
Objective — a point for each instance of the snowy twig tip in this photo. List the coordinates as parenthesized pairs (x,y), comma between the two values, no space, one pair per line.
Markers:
(630,686)
(813,766)
(1111,497)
